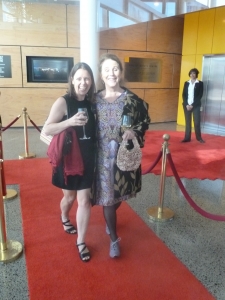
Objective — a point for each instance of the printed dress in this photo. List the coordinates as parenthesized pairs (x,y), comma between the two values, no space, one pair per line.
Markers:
(109,116)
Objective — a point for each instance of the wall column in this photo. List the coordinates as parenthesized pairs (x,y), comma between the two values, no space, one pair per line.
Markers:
(89,34)
(181,7)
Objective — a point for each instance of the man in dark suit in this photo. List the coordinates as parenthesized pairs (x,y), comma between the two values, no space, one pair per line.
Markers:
(192,94)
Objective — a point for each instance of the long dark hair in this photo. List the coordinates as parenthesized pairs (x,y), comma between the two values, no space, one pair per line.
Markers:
(71,90)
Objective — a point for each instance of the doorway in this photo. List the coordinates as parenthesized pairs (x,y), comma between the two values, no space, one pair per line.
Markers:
(213,100)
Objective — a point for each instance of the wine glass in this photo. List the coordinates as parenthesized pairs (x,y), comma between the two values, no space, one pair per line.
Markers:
(85,113)
(126,123)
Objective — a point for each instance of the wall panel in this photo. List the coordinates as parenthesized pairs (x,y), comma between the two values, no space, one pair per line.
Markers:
(15,55)
(165,35)
(219,31)
(126,38)
(205,31)
(188,62)
(38,102)
(162,104)
(33,24)
(190,34)
(176,71)
(73,17)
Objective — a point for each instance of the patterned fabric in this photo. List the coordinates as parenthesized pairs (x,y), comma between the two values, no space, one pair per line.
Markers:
(112,184)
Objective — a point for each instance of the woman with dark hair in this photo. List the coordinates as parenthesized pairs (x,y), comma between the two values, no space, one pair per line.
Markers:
(112,103)
(192,94)
(63,116)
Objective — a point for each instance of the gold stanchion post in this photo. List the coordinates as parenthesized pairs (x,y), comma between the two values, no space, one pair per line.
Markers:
(8,194)
(160,213)
(26,154)
(9,250)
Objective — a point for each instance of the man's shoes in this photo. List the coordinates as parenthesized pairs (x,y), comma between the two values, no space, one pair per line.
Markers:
(185,141)
(201,141)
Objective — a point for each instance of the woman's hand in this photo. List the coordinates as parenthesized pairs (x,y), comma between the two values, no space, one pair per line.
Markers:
(189,107)
(79,119)
(129,134)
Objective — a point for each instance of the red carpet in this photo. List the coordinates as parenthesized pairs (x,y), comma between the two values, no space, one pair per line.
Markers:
(192,160)
(147,269)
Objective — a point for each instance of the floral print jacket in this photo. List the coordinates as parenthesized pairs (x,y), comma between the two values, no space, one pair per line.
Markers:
(129,182)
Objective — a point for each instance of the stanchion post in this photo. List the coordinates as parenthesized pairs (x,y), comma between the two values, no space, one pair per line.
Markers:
(160,213)
(9,250)
(26,154)
(8,194)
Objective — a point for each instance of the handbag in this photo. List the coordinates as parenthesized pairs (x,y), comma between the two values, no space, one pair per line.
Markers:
(129,160)
(44,137)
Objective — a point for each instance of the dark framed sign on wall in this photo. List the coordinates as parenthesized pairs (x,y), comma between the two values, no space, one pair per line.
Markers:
(142,69)
(5,66)
(48,69)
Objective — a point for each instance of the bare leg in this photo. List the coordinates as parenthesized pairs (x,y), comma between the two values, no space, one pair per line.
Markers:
(83,216)
(66,205)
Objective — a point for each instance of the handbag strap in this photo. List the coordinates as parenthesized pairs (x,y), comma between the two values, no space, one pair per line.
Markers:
(135,143)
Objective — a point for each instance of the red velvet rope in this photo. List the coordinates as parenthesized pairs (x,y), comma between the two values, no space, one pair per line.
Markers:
(35,125)
(154,164)
(188,198)
(10,124)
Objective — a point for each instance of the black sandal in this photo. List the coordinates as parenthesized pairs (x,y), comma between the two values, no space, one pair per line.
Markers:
(71,230)
(83,255)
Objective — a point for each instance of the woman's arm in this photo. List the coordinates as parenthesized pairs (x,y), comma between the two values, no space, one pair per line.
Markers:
(54,123)
(141,121)
(138,109)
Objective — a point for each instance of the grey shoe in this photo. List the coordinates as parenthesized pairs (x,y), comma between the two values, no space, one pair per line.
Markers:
(107,230)
(114,248)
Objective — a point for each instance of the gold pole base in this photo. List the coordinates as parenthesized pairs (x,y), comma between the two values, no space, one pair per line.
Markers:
(24,156)
(13,251)
(10,194)
(155,215)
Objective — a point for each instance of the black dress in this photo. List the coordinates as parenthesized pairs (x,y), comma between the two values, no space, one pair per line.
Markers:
(87,148)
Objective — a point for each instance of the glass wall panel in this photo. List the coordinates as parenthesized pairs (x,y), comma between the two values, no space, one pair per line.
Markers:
(138,13)
(116,21)
(155,5)
(117,5)
(18,12)
(102,20)
(170,9)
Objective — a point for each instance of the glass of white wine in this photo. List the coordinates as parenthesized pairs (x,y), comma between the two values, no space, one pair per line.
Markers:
(85,113)
(126,123)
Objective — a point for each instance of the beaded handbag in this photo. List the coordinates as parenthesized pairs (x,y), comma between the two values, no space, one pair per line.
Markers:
(129,160)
